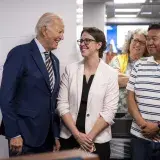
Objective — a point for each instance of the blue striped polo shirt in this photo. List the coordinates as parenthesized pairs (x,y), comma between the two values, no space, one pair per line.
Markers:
(144,81)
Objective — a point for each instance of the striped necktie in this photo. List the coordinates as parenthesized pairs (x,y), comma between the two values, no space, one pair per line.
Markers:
(49,67)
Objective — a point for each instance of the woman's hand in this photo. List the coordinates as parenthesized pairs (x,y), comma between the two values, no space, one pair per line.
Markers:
(85,142)
(122,80)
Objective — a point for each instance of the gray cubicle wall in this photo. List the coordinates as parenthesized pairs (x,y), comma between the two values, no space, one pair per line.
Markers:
(3,144)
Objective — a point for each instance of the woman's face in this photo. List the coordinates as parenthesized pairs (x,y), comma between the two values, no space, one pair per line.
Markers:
(88,46)
(137,46)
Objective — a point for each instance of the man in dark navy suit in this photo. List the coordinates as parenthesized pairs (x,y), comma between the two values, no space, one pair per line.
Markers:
(29,89)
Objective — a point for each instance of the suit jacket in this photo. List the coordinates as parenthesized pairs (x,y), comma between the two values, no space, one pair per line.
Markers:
(2,128)
(27,104)
(102,98)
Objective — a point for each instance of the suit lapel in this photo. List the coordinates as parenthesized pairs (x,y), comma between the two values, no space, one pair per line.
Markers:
(80,74)
(56,72)
(40,63)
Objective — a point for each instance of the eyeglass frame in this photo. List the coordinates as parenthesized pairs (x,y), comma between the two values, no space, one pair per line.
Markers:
(135,41)
(86,41)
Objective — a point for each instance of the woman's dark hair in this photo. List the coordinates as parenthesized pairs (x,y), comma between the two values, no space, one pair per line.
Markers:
(98,35)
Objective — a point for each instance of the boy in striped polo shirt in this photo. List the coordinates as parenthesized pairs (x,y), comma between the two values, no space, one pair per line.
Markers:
(144,100)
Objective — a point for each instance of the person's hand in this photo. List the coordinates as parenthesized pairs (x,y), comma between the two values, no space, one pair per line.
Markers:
(85,142)
(16,144)
(57,145)
(122,80)
(150,129)
(122,75)
(156,138)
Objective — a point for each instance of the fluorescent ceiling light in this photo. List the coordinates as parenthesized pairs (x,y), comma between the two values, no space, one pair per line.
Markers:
(125,15)
(128,10)
(146,13)
(79,1)
(129,1)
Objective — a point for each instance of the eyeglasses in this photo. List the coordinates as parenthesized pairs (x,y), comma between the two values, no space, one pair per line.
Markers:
(86,41)
(135,41)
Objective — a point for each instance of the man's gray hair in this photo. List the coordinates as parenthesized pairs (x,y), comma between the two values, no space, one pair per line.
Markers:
(46,19)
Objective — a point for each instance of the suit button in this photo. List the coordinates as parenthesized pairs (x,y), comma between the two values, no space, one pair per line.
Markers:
(88,115)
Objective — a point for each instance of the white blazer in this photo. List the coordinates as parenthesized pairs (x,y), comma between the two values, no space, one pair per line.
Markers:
(102,98)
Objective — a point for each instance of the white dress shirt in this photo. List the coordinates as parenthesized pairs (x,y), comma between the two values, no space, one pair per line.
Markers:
(42,50)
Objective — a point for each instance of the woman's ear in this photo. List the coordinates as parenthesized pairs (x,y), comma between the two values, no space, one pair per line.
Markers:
(99,45)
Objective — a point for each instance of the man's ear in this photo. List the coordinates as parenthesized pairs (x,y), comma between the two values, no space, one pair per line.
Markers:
(44,31)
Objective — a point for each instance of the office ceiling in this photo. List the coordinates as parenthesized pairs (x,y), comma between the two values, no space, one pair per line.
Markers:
(148,10)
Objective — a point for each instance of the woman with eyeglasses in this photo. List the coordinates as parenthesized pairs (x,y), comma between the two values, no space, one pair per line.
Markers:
(88,98)
(134,48)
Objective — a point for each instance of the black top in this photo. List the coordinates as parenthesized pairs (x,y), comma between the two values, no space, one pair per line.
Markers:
(83,106)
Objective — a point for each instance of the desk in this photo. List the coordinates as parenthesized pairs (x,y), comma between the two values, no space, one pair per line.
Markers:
(63,155)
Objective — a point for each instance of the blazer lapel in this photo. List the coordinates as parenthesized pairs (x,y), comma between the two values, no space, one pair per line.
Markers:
(80,74)
(39,61)
(96,80)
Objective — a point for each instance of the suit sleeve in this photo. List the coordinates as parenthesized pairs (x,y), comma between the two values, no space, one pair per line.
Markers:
(12,73)
(56,125)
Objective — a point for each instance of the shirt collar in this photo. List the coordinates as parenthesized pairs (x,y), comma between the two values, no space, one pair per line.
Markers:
(152,60)
(131,61)
(39,45)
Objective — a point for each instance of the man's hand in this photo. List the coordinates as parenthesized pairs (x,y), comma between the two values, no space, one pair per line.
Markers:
(156,138)
(150,129)
(85,142)
(16,144)
(57,145)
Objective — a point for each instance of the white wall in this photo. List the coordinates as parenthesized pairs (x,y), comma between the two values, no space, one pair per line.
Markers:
(122,32)
(18,19)
(93,15)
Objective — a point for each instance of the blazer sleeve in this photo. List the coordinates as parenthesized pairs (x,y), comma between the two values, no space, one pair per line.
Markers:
(63,104)
(111,99)
(12,74)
